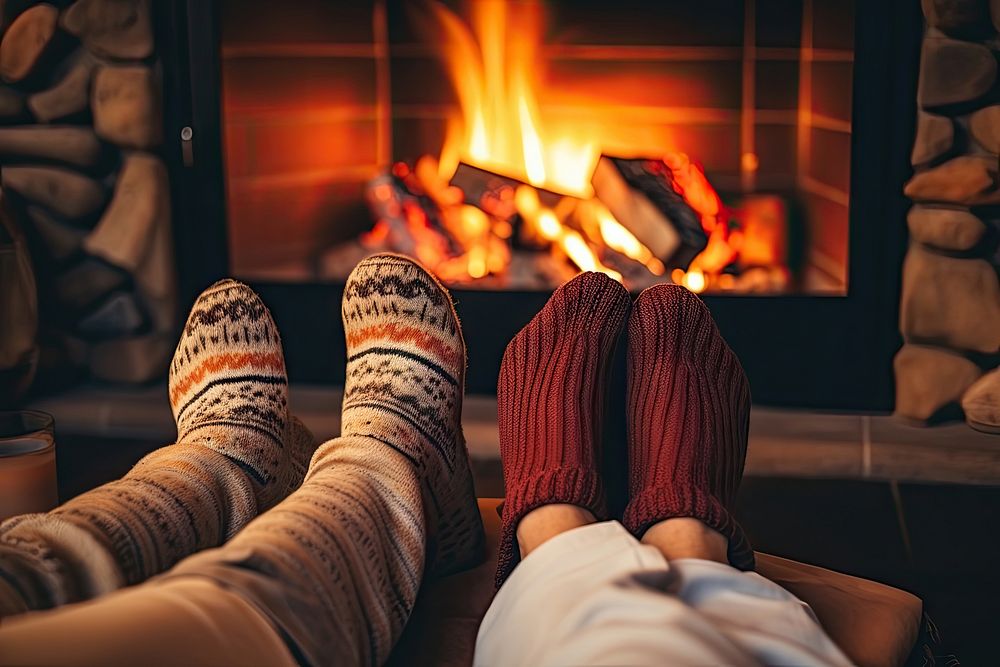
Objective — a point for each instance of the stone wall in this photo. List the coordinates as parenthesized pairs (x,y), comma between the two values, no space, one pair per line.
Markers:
(950,302)
(80,126)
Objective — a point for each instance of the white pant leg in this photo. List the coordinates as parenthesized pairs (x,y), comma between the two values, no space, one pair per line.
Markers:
(595,595)
(776,627)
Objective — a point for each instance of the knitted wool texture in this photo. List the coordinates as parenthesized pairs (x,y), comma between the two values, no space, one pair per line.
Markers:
(229,391)
(337,566)
(688,410)
(550,404)
(237,452)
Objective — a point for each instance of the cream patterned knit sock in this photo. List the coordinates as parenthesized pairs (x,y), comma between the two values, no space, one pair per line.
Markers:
(229,391)
(337,566)
(237,452)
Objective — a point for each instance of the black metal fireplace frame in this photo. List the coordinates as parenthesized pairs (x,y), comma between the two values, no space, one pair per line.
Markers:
(828,352)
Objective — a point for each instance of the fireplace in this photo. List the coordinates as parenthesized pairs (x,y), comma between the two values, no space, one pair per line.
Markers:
(792,118)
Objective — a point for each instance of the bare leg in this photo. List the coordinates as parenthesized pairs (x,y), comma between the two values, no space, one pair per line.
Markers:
(684,537)
(543,523)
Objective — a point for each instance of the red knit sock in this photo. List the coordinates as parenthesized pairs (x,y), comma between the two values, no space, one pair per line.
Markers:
(551,397)
(688,413)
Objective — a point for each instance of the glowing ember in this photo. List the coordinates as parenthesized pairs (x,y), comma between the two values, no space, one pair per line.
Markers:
(548,225)
(694,280)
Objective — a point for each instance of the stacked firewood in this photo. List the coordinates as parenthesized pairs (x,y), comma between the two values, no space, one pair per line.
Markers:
(80,126)
(949,304)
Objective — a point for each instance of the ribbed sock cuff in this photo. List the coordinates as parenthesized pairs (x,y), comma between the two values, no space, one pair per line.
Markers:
(572,486)
(655,505)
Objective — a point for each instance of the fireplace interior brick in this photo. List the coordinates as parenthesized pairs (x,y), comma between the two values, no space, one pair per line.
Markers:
(302,21)
(831,89)
(830,159)
(777,84)
(635,22)
(301,135)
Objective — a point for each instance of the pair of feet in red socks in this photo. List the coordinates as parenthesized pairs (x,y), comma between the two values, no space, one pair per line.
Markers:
(688,408)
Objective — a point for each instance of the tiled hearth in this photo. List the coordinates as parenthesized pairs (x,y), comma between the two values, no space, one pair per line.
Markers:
(783,443)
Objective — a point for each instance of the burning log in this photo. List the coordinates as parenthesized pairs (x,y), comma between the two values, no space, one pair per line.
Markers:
(484,188)
(641,195)
(495,231)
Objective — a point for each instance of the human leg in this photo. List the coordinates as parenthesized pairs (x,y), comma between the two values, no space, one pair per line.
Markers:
(238,451)
(593,594)
(337,566)
(579,591)
(189,622)
(332,572)
(543,523)
(551,395)
(684,537)
(688,413)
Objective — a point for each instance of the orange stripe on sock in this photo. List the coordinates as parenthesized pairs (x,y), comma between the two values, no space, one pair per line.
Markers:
(398,333)
(231,361)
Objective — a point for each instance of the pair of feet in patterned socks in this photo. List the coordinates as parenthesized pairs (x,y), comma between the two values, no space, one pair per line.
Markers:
(687,409)
(403,391)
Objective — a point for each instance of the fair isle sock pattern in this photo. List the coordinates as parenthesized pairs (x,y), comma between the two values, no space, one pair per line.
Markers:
(688,410)
(228,388)
(337,566)
(182,498)
(404,386)
(550,405)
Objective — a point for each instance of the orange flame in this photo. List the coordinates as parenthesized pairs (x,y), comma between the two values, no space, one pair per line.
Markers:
(546,224)
(617,237)
(493,68)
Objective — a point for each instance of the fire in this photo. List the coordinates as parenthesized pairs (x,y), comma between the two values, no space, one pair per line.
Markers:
(535,195)
(546,223)
(619,238)
(694,279)
(493,66)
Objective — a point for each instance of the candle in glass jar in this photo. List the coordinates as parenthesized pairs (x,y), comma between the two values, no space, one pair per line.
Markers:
(27,478)
(27,464)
